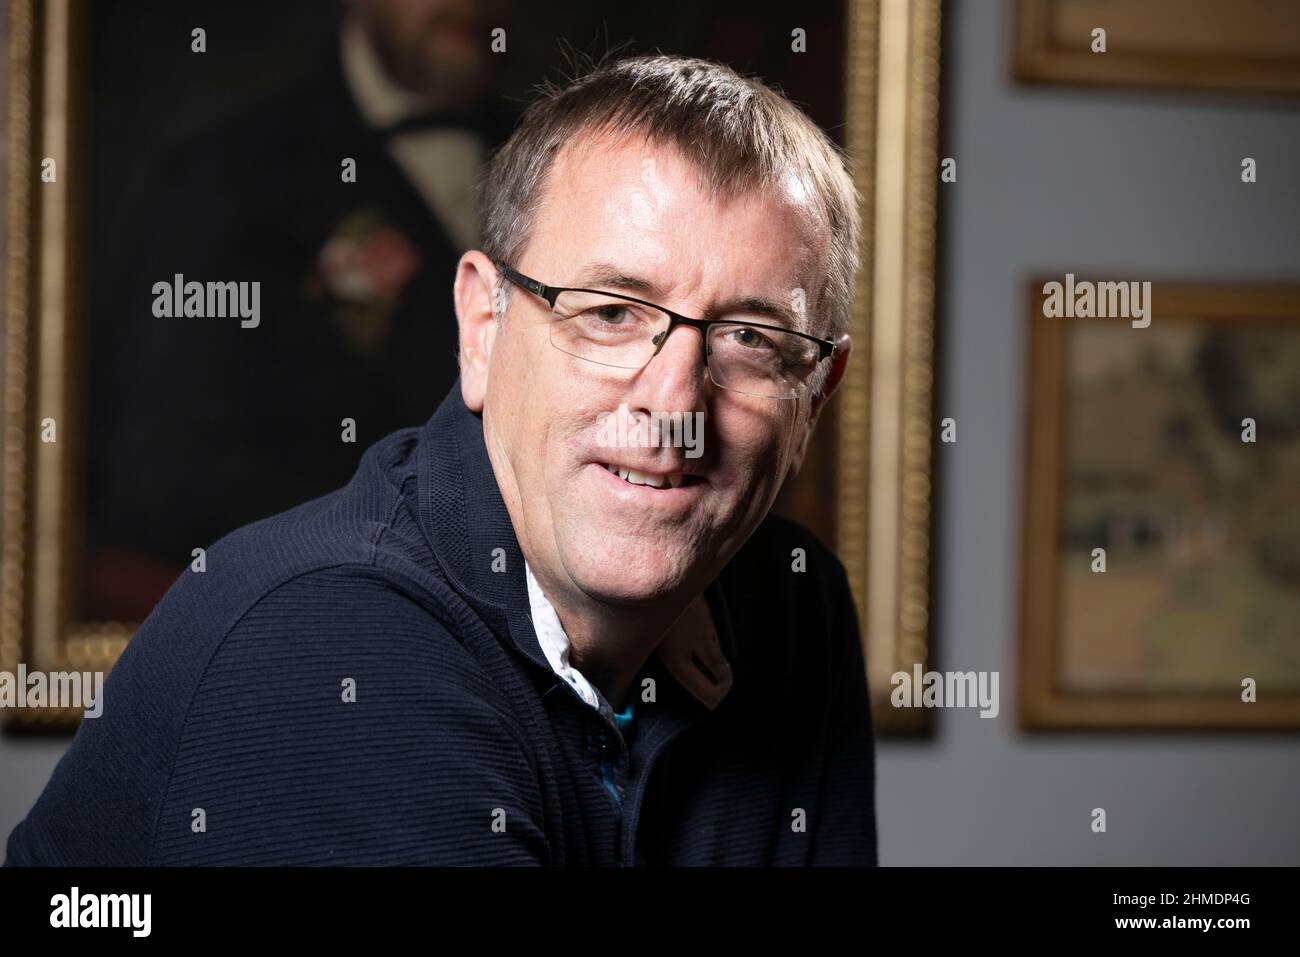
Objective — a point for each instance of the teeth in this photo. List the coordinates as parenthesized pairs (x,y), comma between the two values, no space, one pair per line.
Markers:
(641,478)
(673,480)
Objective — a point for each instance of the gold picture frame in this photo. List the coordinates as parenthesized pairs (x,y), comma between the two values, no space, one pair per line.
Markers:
(883,428)
(874,451)
(1248,46)
(42,359)
(1055,694)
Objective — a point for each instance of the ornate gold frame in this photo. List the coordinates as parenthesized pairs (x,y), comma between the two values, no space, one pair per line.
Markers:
(866,482)
(1043,704)
(881,455)
(883,425)
(42,358)
(1038,60)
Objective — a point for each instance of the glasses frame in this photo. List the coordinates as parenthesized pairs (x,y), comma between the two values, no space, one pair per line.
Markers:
(826,347)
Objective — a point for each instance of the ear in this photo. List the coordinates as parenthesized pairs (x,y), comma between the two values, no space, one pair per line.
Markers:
(840,362)
(843,346)
(476,282)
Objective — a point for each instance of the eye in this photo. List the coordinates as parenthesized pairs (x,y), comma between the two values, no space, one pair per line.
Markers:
(750,338)
(613,313)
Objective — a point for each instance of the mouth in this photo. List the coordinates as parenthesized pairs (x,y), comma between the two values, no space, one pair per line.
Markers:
(654,480)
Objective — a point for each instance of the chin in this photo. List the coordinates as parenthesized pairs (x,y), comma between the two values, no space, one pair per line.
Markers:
(621,576)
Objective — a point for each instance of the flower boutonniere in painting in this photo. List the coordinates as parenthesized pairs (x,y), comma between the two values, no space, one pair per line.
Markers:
(362,269)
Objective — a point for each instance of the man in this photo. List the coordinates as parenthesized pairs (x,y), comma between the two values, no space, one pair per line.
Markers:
(509,640)
(349,199)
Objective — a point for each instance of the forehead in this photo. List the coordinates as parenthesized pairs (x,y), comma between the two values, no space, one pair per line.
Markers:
(626,199)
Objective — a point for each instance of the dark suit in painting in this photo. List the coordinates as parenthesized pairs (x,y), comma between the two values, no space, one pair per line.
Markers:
(199,425)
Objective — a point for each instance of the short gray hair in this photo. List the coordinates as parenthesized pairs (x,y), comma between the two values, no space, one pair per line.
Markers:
(739,133)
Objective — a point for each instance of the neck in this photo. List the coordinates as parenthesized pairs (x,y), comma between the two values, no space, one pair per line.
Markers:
(608,643)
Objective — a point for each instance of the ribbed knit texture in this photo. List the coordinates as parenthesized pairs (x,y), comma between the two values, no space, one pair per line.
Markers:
(462,747)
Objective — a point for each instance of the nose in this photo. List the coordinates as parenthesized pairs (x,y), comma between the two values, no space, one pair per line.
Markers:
(675,379)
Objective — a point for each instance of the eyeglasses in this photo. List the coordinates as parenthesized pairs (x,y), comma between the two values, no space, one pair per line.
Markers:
(626,333)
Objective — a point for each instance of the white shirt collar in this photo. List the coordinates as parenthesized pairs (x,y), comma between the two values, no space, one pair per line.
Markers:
(555,643)
(691,651)
(381,101)
(441,163)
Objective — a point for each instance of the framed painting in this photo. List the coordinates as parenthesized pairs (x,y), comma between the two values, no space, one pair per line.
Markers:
(129,441)
(883,426)
(865,487)
(41,362)
(1247,46)
(1161,562)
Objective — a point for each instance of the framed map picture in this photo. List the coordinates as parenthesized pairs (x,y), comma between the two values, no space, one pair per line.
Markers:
(1246,46)
(1161,563)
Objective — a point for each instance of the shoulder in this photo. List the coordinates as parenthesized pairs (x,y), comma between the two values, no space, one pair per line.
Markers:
(342,528)
(274,158)
(297,116)
(351,615)
(343,720)
(791,611)
(338,719)
(348,634)
(332,575)
(307,688)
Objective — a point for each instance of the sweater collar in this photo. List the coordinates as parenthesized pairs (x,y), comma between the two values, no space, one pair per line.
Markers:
(468,527)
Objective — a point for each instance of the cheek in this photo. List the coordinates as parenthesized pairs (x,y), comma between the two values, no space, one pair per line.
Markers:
(522,382)
(560,447)
(757,455)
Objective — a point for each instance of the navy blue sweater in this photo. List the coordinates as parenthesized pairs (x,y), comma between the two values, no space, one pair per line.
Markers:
(227,737)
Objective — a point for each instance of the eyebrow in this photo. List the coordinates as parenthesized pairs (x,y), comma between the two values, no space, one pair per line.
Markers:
(607,274)
(770,308)
(610,275)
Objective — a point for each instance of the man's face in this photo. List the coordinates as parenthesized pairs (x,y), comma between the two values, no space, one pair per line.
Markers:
(633,208)
(440,49)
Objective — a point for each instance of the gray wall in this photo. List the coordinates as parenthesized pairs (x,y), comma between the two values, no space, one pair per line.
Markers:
(1138,185)
(1126,184)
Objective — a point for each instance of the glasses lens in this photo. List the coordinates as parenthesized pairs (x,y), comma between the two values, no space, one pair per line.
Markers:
(759,361)
(606,329)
